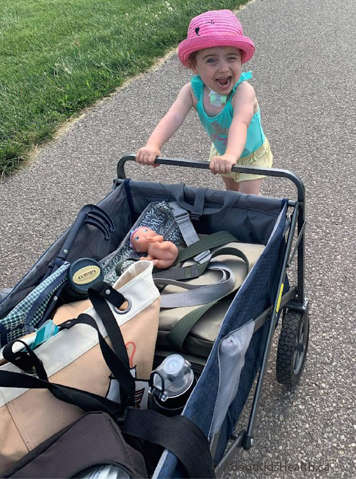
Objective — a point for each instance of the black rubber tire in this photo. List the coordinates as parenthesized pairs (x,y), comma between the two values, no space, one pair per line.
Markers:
(292,347)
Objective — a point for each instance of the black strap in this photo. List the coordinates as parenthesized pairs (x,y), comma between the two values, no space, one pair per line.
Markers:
(83,399)
(96,296)
(26,360)
(177,434)
(105,290)
(119,368)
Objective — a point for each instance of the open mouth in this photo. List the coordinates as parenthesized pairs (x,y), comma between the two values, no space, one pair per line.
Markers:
(224,83)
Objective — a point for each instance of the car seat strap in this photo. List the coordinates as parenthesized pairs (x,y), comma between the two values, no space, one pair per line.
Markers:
(187,230)
(183,327)
(211,241)
(195,270)
(180,331)
(199,294)
(202,294)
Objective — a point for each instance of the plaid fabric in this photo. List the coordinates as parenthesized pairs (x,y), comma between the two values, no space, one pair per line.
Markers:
(157,216)
(17,323)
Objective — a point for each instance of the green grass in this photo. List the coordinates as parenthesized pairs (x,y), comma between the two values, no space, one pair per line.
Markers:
(59,56)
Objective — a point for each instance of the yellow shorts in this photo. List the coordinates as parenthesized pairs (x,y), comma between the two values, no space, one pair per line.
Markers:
(261,158)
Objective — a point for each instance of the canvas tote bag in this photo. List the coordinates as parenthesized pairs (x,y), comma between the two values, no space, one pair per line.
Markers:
(141,332)
(74,358)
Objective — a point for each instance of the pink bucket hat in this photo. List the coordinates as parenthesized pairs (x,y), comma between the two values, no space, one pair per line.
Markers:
(216,28)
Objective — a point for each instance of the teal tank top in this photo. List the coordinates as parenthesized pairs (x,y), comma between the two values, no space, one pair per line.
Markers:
(218,126)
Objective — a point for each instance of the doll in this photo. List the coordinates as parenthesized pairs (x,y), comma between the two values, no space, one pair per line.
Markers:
(162,253)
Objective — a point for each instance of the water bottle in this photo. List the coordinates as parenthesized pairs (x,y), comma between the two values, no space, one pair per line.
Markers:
(170,385)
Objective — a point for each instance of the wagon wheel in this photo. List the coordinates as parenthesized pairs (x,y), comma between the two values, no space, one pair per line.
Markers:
(292,347)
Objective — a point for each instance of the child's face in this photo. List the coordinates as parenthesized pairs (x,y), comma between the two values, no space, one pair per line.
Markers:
(218,67)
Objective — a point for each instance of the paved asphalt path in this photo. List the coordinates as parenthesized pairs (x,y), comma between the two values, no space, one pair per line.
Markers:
(305,81)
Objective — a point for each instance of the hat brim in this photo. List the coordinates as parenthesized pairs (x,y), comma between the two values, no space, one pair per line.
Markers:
(189,46)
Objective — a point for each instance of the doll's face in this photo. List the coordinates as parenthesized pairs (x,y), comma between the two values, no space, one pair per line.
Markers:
(140,238)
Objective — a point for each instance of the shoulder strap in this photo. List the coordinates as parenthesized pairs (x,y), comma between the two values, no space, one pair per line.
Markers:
(244,76)
(178,434)
(197,87)
(117,363)
(98,295)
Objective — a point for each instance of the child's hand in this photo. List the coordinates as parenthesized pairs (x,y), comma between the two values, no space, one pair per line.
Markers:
(147,155)
(222,164)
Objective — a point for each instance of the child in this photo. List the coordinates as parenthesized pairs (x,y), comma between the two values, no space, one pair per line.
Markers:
(215,49)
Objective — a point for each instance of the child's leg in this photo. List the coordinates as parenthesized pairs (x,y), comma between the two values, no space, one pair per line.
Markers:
(231,184)
(250,187)
(248,183)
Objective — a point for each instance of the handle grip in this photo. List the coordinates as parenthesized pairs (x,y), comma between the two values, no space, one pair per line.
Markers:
(204,165)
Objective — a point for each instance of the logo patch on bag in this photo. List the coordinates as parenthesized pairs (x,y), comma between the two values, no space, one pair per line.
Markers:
(84,273)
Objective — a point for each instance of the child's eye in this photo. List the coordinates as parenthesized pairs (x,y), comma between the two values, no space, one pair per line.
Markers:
(211,60)
(137,238)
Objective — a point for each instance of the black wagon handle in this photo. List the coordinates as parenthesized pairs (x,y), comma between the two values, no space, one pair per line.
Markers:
(204,165)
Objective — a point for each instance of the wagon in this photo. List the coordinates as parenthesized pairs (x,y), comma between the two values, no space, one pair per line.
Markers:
(229,342)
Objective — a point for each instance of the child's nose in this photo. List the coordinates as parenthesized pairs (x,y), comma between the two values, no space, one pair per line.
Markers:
(223,66)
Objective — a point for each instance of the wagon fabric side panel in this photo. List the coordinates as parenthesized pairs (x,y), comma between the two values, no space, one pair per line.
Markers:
(255,295)
(250,219)
(89,243)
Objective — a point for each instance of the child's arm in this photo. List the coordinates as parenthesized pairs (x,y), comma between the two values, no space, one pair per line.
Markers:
(167,126)
(244,102)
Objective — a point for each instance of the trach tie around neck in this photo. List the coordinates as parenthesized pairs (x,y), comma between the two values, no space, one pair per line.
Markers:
(216,99)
